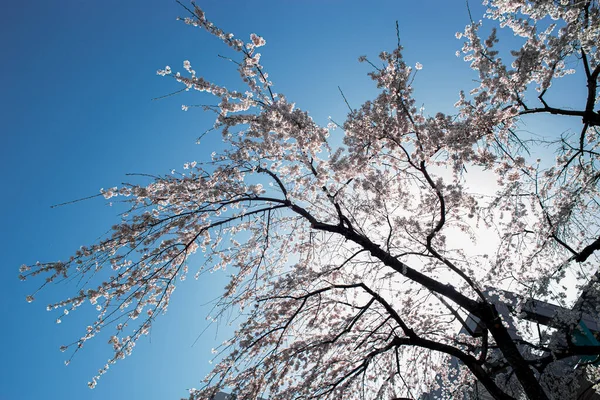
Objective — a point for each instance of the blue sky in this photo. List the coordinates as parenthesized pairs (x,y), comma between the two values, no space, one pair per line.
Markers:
(77,80)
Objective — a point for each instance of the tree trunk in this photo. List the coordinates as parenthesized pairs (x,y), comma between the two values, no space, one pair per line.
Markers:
(523,372)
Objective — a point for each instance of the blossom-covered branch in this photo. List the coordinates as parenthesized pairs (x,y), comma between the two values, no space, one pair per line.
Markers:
(358,258)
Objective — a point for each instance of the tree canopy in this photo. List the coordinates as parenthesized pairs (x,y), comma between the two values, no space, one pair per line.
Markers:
(361,252)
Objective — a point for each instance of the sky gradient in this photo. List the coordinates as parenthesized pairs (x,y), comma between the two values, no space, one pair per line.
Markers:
(78,79)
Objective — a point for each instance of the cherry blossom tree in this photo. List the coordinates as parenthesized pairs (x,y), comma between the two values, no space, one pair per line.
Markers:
(355,249)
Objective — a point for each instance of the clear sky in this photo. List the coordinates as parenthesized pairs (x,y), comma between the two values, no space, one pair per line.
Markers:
(77,78)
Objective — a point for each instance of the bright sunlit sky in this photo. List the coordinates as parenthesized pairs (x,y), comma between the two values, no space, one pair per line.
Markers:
(77,82)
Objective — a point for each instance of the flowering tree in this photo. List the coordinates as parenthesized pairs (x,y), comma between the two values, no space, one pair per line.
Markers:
(347,268)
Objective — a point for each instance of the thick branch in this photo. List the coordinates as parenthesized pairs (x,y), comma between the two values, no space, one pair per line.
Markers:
(447,291)
(587,251)
(592,118)
(469,361)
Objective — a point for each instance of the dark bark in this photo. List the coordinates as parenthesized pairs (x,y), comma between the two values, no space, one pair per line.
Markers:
(508,347)
(485,311)
(588,251)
